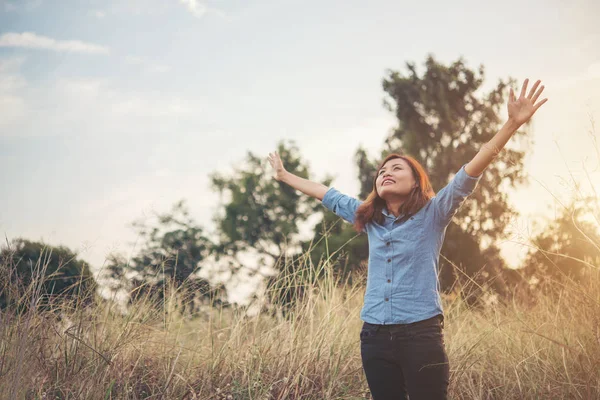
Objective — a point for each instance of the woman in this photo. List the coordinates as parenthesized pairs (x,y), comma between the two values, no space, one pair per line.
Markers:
(402,345)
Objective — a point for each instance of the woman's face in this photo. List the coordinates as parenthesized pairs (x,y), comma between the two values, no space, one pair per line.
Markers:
(395,178)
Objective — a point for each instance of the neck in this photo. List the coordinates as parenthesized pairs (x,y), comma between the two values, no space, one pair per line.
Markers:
(394,205)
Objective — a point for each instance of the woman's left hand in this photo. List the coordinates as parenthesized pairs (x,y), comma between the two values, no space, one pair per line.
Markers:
(522,109)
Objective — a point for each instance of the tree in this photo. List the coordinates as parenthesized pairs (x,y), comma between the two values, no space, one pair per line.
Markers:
(260,212)
(47,274)
(262,216)
(443,120)
(172,252)
(337,241)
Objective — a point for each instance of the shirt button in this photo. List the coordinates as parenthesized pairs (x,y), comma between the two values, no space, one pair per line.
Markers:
(389,281)
(386,299)
(389,260)
(387,244)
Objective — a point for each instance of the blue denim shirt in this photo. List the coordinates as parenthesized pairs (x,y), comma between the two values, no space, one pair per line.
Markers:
(402,278)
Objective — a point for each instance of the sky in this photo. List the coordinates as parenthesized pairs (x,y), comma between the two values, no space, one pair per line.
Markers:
(111,111)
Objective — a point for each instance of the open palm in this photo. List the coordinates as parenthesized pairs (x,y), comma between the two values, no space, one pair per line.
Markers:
(277,165)
(522,109)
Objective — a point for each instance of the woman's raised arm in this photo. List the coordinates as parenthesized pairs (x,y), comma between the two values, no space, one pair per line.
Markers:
(310,188)
(520,110)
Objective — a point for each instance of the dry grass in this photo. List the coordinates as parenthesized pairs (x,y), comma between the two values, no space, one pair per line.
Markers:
(546,348)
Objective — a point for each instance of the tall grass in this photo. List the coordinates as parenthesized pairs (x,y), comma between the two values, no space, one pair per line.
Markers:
(547,347)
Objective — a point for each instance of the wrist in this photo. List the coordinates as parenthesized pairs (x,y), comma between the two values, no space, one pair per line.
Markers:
(512,124)
(284,176)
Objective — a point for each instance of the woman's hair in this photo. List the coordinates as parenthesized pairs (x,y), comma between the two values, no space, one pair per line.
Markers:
(370,209)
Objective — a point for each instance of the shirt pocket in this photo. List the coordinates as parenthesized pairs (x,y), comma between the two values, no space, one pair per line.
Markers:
(413,229)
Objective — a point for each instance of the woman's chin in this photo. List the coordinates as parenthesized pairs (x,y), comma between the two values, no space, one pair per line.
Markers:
(389,194)
(386,194)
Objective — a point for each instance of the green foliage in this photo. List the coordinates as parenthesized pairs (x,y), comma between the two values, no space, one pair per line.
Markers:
(262,216)
(171,252)
(36,274)
(443,121)
(261,212)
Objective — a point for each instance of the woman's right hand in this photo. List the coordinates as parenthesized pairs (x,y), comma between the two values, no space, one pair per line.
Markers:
(277,166)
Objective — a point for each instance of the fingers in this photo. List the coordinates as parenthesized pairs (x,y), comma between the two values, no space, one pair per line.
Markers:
(274,158)
(537,94)
(524,88)
(532,91)
(538,105)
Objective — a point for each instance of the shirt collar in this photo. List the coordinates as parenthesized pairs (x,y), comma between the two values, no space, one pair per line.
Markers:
(385,212)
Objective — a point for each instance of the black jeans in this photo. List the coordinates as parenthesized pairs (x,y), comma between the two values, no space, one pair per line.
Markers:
(403,360)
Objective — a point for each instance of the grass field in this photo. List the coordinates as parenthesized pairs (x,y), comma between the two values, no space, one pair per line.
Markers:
(541,347)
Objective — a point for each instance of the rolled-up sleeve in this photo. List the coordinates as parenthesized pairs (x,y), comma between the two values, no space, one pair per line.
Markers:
(342,205)
(449,199)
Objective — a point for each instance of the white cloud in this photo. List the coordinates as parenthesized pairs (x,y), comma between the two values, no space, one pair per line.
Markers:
(146,65)
(11,64)
(90,106)
(159,68)
(8,6)
(95,104)
(197,9)
(33,4)
(81,88)
(144,7)
(26,5)
(11,109)
(133,60)
(11,83)
(153,106)
(34,41)
(139,7)
(12,105)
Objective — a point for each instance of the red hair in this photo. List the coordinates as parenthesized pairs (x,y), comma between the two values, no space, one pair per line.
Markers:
(370,209)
